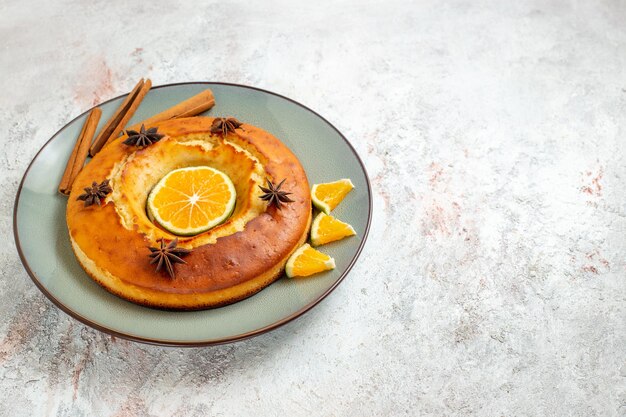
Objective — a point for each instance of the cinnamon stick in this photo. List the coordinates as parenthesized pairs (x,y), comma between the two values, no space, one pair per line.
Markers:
(79,153)
(115,120)
(64,185)
(193,106)
(131,110)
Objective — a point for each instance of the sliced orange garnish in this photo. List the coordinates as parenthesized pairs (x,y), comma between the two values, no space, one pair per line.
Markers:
(327,229)
(328,195)
(188,201)
(307,261)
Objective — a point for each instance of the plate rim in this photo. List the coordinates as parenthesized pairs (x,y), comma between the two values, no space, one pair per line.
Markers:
(176,343)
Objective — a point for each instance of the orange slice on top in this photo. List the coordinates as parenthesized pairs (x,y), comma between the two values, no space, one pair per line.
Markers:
(307,261)
(328,195)
(189,201)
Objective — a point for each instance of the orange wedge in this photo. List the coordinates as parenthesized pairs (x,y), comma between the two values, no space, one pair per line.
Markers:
(307,261)
(189,201)
(327,229)
(328,195)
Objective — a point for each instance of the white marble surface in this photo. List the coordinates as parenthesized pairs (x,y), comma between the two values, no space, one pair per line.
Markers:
(494,279)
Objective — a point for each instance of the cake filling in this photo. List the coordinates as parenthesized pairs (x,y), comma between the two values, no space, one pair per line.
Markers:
(134,178)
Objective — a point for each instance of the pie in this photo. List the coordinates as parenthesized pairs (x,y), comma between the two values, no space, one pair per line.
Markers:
(111,232)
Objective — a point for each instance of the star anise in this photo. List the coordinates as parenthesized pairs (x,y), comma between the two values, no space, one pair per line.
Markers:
(223,125)
(142,138)
(168,255)
(274,195)
(95,193)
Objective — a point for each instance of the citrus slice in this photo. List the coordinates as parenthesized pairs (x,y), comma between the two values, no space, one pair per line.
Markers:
(326,229)
(307,261)
(188,201)
(328,195)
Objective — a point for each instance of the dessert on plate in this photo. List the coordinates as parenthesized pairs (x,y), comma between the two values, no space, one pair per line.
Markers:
(193,212)
(232,260)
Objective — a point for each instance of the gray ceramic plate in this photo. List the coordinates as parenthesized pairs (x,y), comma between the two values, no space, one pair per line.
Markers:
(42,239)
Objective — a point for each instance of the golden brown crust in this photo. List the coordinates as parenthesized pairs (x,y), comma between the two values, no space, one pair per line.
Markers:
(235,267)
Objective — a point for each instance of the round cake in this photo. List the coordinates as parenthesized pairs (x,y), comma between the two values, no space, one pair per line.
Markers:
(225,264)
